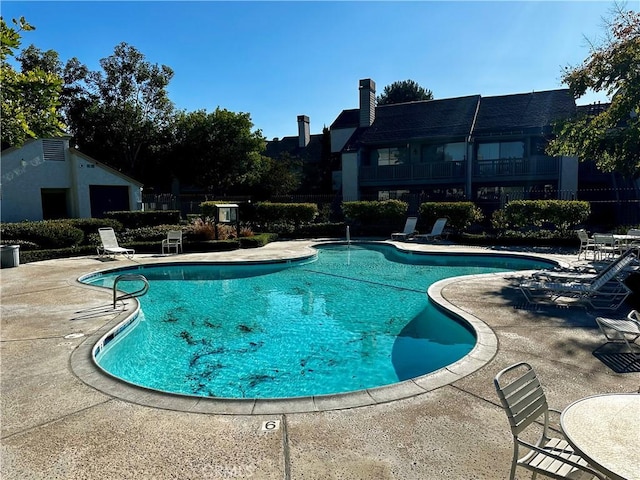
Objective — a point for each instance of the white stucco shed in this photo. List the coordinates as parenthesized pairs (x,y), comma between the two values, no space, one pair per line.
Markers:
(46,179)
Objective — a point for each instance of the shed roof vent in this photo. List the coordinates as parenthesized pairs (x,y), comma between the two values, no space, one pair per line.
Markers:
(53,150)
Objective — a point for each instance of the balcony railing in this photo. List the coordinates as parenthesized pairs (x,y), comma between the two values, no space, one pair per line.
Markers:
(534,166)
(418,171)
(538,165)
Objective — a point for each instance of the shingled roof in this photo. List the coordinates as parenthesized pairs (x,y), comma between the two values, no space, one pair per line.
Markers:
(311,153)
(450,117)
(523,112)
(347,119)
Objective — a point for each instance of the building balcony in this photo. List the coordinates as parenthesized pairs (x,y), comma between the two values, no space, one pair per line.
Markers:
(410,173)
(537,166)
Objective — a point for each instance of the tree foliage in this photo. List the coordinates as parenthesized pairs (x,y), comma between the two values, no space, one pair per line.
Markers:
(611,137)
(117,114)
(217,151)
(277,176)
(403,91)
(29,98)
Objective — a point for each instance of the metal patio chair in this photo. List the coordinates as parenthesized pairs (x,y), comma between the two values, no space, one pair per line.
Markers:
(586,244)
(525,404)
(173,240)
(606,246)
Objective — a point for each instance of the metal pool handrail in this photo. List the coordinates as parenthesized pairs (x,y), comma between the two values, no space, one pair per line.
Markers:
(129,277)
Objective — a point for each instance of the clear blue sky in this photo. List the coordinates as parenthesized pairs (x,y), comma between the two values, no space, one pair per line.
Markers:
(278,60)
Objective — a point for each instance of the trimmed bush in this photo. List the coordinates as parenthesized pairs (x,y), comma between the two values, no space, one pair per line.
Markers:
(561,215)
(317,230)
(46,234)
(139,219)
(146,234)
(25,245)
(203,246)
(256,241)
(91,225)
(460,215)
(40,255)
(295,213)
(375,212)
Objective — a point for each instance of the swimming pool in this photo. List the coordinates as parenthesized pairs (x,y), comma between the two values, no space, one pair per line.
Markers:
(352,318)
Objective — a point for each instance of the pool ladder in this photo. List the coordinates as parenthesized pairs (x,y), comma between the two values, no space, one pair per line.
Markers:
(129,277)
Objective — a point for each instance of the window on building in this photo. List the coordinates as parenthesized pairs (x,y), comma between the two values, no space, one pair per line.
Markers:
(389,156)
(448,152)
(500,150)
(392,194)
(437,194)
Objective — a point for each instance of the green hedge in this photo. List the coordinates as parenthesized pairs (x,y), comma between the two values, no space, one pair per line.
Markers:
(295,213)
(375,212)
(45,234)
(460,215)
(91,225)
(322,230)
(259,240)
(525,215)
(138,219)
(50,254)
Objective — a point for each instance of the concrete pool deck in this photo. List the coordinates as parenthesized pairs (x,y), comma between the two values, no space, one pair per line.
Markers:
(55,423)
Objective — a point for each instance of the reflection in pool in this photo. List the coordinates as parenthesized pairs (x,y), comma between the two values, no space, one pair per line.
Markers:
(352,318)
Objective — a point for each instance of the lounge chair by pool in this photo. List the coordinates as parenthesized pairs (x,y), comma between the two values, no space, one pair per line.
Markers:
(110,244)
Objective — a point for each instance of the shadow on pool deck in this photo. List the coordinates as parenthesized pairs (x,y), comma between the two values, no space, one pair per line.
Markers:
(56,426)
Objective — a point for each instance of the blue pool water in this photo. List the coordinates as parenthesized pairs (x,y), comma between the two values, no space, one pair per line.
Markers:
(355,317)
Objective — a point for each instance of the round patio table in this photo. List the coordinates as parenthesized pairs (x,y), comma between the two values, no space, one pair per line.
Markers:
(605,430)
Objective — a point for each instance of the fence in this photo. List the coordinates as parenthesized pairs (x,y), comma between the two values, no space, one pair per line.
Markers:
(610,207)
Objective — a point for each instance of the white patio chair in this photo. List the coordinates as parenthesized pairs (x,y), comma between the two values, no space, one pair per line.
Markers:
(605,246)
(436,231)
(173,240)
(110,245)
(525,403)
(409,229)
(634,232)
(586,244)
(606,290)
(625,330)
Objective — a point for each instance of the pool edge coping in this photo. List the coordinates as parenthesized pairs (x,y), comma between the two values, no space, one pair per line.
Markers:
(485,349)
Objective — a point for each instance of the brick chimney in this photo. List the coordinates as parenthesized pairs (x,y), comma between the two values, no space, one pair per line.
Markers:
(367,102)
(303,131)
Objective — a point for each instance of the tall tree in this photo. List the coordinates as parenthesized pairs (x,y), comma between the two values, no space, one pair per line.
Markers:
(117,115)
(32,58)
(611,137)
(403,91)
(216,151)
(278,176)
(29,99)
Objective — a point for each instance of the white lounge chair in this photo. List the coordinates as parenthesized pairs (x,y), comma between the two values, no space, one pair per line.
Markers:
(585,274)
(409,229)
(525,403)
(436,231)
(625,330)
(606,290)
(110,244)
(173,240)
